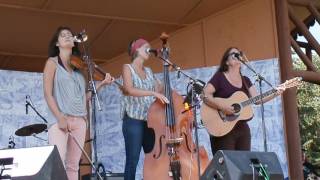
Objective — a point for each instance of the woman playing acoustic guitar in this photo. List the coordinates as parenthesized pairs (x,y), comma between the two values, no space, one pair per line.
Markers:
(224,83)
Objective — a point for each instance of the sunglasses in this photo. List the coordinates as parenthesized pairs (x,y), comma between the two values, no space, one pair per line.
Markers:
(236,54)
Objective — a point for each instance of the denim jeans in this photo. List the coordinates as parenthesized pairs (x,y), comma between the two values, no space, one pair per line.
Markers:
(136,135)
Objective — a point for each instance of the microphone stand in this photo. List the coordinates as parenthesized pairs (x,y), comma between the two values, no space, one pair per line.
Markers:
(94,97)
(192,81)
(259,78)
(35,110)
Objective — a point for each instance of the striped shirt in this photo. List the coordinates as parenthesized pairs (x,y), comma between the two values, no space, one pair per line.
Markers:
(137,107)
(69,92)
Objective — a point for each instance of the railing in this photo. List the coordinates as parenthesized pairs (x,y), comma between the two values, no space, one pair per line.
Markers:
(302,27)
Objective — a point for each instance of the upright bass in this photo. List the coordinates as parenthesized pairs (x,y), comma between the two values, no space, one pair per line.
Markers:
(174,154)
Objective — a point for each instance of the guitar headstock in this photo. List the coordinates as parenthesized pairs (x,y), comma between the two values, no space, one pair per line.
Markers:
(297,81)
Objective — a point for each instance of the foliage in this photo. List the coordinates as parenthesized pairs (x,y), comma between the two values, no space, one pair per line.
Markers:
(308,96)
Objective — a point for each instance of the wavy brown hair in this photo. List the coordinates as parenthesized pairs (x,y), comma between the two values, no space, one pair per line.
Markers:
(223,63)
(53,49)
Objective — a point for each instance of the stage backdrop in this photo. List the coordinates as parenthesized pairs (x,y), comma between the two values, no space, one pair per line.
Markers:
(14,86)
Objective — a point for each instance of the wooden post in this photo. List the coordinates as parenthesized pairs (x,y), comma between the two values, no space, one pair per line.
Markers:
(291,121)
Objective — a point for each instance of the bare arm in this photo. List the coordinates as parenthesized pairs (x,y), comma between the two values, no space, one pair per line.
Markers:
(107,80)
(48,78)
(159,86)
(209,100)
(253,92)
(132,91)
(128,84)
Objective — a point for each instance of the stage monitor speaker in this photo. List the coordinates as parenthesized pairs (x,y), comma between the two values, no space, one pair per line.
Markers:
(108,176)
(32,164)
(243,165)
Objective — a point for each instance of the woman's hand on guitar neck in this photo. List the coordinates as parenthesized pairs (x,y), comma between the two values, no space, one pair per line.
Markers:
(280,90)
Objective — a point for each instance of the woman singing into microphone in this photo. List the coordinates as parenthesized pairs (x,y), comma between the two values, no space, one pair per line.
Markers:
(226,81)
(65,93)
(141,87)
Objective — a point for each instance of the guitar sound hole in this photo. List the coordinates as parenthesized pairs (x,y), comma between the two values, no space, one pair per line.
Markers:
(236,108)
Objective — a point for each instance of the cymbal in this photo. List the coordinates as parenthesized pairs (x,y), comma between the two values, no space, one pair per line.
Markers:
(31,129)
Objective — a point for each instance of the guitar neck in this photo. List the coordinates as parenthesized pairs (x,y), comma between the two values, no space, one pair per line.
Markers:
(257,98)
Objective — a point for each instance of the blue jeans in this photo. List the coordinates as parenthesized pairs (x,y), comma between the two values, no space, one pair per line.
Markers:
(136,135)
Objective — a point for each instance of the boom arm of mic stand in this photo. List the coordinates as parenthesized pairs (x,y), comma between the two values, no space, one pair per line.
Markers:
(177,68)
(260,78)
(34,109)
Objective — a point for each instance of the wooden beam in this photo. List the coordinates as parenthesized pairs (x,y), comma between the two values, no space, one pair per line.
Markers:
(191,10)
(304,3)
(308,76)
(5,61)
(291,121)
(309,55)
(314,12)
(98,16)
(104,30)
(45,5)
(22,54)
(304,30)
(303,44)
(299,2)
(302,56)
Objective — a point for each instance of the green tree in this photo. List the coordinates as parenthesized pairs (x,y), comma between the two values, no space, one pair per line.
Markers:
(308,96)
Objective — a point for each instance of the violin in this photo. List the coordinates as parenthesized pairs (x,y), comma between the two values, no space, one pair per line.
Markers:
(98,74)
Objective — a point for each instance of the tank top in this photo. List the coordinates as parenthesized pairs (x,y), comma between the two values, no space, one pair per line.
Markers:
(137,107)
(69,92)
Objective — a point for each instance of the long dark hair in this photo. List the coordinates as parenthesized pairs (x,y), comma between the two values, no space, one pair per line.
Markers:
(53,49)
(223,63)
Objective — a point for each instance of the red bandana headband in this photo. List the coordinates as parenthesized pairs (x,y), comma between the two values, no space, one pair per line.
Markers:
(136,45)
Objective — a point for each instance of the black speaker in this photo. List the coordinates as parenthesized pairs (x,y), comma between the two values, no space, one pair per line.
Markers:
(107,176)
(32,164)
(243,165)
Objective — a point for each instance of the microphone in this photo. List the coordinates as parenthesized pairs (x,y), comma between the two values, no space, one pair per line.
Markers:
(238,55)
(241,57)
(81,37)
(153,51)
(27,104)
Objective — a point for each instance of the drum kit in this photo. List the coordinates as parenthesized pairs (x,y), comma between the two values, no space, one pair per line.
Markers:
(29,130)
(32,129)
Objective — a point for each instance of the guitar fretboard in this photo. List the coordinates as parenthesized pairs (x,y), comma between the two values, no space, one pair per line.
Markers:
(257,98)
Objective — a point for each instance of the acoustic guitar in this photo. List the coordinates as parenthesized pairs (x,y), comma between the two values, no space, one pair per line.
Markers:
(219,124)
